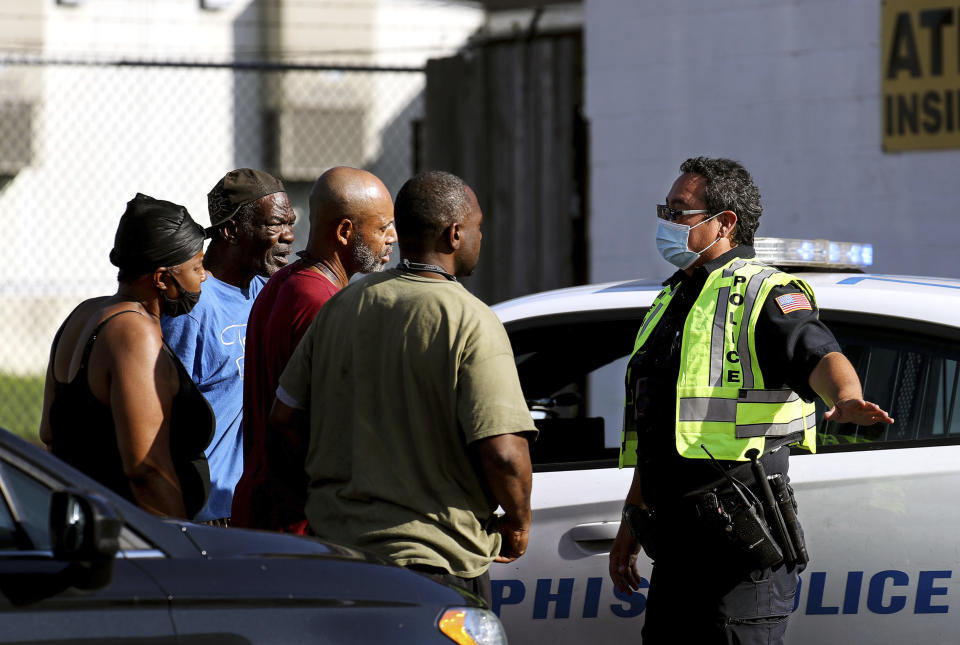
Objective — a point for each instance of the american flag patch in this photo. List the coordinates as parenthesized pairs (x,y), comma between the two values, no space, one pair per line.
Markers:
(793,302)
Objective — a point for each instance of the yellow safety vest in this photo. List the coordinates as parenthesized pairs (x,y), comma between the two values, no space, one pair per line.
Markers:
(721,400)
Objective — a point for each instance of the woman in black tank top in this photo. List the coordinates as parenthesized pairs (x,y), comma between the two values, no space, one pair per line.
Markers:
(118,405)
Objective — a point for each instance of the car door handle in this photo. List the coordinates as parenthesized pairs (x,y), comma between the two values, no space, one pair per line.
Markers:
(595,531)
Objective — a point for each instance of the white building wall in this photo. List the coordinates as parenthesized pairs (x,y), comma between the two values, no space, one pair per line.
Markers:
(160,29)
(791,88)
(408,32)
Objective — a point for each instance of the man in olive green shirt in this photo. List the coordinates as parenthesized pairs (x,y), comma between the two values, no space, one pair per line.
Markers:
(418,426)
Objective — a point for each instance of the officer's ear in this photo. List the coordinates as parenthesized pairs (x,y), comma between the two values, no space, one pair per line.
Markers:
(728,222)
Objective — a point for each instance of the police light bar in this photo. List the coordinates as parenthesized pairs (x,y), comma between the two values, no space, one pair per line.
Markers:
(813,253)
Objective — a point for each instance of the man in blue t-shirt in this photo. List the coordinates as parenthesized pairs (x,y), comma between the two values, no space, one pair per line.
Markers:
(251,230)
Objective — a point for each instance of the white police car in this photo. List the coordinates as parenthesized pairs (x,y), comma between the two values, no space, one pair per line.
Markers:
(877,503)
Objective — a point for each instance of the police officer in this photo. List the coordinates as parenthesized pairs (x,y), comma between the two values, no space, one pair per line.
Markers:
(729,359)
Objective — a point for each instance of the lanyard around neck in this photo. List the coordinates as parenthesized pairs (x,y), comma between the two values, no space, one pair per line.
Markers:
(319,266)
(407,265)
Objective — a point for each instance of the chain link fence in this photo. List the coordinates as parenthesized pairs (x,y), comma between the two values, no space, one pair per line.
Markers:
(78,139)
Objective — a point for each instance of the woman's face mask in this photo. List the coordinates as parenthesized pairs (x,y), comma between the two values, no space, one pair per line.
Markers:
(182,304)
(672,240)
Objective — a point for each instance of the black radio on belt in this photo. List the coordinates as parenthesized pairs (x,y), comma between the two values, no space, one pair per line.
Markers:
(749,530)
(742,519)
(765,528)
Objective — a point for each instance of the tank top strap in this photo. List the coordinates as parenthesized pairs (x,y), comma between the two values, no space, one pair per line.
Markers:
(96,332)
(56,338)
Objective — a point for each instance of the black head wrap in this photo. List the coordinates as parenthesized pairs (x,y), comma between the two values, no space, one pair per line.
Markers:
(154,233)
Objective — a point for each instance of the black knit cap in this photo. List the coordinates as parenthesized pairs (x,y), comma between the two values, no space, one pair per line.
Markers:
(154,233)
(238,187)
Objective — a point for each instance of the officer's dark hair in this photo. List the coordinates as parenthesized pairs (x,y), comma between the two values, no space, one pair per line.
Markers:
(729,187)
(427,204)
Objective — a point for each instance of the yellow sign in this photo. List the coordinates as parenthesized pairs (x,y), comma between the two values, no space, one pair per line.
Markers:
(920,66)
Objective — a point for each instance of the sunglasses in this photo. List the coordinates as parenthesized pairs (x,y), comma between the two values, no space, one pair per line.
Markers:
(672,214)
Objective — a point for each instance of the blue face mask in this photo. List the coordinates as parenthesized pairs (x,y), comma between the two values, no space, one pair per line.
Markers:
(672,239)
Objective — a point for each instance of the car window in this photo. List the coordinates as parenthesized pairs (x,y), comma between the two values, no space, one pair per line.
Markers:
(572,367)
(571,370)
(28,501)
(915,377)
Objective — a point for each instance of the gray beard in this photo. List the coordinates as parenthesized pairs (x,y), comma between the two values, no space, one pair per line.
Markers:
(364,258)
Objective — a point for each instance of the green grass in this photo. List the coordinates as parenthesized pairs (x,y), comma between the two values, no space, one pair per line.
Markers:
(21,402)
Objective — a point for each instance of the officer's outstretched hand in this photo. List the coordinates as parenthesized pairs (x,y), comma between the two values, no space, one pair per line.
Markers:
(858,411)
(514,536)
(623,561)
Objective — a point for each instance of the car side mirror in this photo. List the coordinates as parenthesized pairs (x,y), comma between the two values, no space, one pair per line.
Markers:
(546,408)
(566,399)
(85,531)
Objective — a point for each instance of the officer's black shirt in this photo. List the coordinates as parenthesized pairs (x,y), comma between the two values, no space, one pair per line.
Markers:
(788,347)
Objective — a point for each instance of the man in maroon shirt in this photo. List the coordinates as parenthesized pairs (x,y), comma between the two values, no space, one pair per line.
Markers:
(351,231)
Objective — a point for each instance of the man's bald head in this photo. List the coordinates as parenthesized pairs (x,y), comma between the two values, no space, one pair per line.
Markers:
(344,192)
(351,210)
